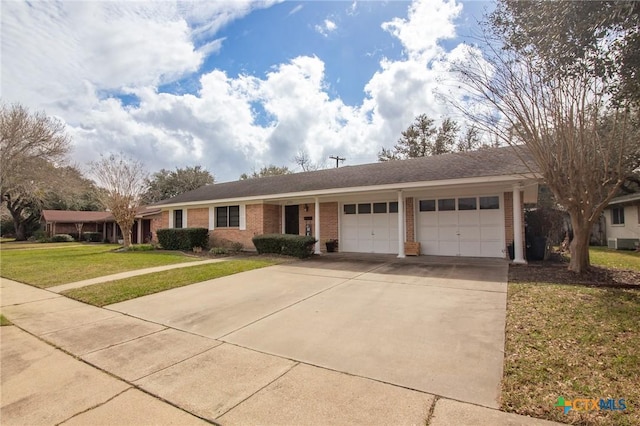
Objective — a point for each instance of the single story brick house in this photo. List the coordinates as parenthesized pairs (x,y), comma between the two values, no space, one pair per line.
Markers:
(622,219)
(74,222)
(459,204)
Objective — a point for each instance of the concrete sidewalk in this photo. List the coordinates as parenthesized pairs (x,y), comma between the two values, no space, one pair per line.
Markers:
(65,362)
(128,274)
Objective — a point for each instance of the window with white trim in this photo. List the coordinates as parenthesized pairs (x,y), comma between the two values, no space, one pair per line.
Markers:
(177,218)
(617,216)
(228,217)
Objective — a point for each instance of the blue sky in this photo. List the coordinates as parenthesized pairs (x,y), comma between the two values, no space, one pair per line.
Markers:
(233,86)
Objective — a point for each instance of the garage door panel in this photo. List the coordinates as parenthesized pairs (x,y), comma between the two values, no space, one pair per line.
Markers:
(470,248)
(492,248)
(474,232)
(370,232)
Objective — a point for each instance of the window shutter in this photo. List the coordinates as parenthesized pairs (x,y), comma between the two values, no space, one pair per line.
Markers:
(243,217)
(212,218)
(171,219)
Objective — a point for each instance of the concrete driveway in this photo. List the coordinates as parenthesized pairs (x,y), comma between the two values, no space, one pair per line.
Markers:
(430,324)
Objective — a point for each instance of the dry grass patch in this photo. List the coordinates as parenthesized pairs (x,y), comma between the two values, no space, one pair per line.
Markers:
(4,321)
(575,342)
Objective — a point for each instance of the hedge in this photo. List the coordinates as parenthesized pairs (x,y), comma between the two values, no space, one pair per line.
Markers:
(92,237)
(62,238)
(289,245)
(183,238)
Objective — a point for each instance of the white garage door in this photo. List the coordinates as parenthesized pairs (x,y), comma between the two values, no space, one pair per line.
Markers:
(370,227)
(463,226)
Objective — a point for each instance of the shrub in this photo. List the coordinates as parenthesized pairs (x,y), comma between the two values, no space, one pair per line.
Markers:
(218,250)
(236,247)
(7,227)
(141,247)
(62,238)
(183,238)
(92,237)
(299,246)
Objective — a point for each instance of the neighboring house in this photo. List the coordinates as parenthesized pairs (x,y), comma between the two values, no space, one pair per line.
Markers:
(74,223)
(459,204)
(622,217)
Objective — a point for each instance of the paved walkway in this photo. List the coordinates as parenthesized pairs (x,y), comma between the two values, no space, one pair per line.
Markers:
(65,362)
(128,274)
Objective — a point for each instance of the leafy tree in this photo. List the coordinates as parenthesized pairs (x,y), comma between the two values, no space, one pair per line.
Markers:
(582,139)
(33,148)
(123,181)
(169,183)
(600,38)
(422,139)
(269,170)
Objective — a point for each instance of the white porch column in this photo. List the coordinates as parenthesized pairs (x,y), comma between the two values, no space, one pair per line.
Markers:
(317,222)
(140,231)
(114,234)
(517,226)
(283,217)
(401,220)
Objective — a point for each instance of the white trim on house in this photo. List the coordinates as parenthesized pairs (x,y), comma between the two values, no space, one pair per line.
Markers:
(243,217)
(486,180)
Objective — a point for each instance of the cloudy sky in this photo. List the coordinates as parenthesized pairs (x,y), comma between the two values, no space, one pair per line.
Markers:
(233,85)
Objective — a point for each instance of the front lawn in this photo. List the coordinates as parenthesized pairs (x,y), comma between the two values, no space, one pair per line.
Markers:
(44,267)
(576,337)
(130,288)
(618,259)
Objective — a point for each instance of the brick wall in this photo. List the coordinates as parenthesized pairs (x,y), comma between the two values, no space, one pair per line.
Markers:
(198,218)
(328,223)
(410,223)
(272,219)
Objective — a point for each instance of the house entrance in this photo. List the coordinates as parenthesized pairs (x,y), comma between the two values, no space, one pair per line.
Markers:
(292,220)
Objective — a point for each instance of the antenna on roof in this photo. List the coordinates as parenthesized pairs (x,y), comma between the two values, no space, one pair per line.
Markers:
(337,158)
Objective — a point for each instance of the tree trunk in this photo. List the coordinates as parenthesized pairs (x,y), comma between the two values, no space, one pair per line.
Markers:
(126,234)
(20,228)
(579,247)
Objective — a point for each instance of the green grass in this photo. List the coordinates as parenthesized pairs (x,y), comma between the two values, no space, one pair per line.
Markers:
(617,259)
(4,321)
(575,342)
(130,288)
(50,267)
(24,245)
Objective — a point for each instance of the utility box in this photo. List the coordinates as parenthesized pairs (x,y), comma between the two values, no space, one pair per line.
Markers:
(623,243)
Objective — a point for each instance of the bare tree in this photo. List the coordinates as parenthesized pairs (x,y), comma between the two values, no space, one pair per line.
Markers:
(33,148)
(582,143)
(124,182)
(303,160)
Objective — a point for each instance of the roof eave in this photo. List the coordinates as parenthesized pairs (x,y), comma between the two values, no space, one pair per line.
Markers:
(370,188)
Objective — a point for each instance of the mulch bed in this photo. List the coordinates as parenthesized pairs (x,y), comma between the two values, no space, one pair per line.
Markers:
(555,271)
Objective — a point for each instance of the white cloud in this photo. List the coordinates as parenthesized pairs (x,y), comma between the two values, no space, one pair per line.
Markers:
(326,28)
(75,51)
(295,10)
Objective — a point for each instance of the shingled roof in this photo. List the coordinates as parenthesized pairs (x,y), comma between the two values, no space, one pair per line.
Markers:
(485,162)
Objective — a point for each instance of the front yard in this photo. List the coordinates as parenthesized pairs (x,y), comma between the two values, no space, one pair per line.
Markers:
(44,265)
(576,338)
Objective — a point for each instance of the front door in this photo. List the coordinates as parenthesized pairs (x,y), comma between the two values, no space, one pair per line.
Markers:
(292,220)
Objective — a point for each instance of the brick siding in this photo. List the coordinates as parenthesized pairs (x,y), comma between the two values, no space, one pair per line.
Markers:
(197,218)
(410,220)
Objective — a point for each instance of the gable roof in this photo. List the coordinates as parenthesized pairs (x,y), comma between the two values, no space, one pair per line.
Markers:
(630,198)
(76,216)
(485,162)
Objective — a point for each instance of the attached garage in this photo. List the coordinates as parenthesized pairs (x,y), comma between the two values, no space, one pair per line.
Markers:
(369,227)
(461,226)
